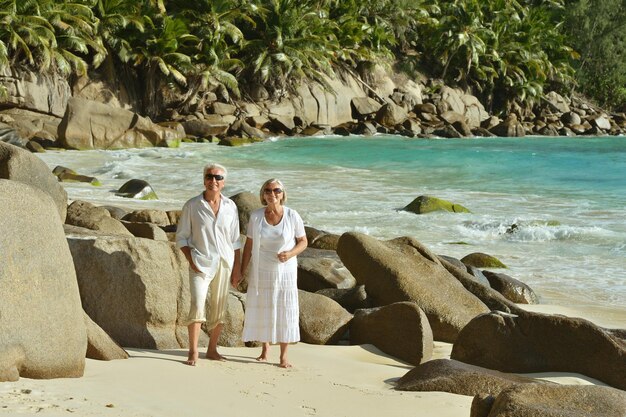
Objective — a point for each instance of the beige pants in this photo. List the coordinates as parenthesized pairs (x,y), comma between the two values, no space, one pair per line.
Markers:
(199,285)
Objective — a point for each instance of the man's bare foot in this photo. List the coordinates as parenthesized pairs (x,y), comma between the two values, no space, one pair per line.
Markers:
(262,358)
(214,356)
(192,358)
(285,364)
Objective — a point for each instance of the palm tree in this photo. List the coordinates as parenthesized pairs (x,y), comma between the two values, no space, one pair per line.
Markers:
(162,54)
(213,23)
(291,40)
(49,34)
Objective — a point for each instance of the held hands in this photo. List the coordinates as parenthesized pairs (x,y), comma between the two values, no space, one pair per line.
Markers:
(235,277)
(284,256)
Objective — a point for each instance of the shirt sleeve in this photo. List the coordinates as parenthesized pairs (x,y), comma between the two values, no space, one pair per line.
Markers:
(235,234)
(183,228)
(298,225)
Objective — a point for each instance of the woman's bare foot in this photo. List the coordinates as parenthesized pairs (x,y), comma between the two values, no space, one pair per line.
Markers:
(285,364)
(265,347)
(192,358)
(215,356)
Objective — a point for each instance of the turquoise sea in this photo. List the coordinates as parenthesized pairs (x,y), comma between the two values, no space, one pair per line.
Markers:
(565,196)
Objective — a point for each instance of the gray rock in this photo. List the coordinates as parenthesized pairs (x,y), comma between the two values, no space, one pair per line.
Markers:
(398,329)
(319,271)
(490,297)
(246,203)
(511,288)
(17,164)
(532,342)
(320,239)
(136,188)
(482,260)
(426,204)
(349,298)
(136,290)
(87,215)
(459,378)
(100,346)
(145,230)
(365,106)
(404,270)
(89,124)
(10,136)
(42,332)
(157,217)
(322,320)
(552,400)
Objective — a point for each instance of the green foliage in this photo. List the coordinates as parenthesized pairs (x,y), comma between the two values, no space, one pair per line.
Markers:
(598,31)
(290,40)
(47,34)
(506,51)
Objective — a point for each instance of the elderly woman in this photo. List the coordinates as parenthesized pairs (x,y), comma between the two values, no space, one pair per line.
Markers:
(275,236)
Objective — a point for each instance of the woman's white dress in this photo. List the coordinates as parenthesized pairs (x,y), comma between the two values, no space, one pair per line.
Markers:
(272,310)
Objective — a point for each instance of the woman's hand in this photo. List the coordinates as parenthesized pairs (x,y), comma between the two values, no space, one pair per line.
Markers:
(284,256)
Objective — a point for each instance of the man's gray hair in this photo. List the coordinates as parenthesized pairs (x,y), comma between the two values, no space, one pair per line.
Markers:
(213,165)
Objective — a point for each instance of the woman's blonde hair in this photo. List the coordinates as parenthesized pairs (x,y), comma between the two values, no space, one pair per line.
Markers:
(268,182)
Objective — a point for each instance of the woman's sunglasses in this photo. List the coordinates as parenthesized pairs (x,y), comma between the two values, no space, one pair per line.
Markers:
(273,190)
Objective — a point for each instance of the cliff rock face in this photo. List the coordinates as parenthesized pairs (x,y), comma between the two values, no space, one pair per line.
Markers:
(92,125)
(45,93)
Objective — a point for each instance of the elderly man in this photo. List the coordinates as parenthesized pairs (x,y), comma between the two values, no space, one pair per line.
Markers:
(208,235)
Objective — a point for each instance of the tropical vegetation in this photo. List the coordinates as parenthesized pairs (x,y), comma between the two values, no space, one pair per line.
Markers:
(507,52)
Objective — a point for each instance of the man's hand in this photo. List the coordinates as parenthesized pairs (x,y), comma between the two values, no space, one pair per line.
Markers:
(235,277)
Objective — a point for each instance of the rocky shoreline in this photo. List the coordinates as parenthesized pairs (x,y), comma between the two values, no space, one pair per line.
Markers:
(44,111)
(123,283)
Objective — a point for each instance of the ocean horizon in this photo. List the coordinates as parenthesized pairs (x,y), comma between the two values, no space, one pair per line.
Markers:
(551,209)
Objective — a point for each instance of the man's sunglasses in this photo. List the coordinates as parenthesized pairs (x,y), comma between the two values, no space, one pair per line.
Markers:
(216,177)
(273,190)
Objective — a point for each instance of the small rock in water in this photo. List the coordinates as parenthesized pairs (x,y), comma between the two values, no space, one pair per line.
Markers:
(137,189)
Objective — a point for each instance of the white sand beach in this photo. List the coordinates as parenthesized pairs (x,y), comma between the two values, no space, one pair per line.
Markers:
(329,381)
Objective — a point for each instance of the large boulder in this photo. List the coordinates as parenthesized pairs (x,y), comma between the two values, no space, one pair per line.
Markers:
(351,299)
(314,103)
(233,318)
(84,214)
(492,298)
(552,400)
(404,270)
(398,329)
(532,342)
(246,203)
(459,378)
(100,346)
(319,269)
(42,333)
(322,320)
(511,288)
(136,289)
(320,239)
(91,125)
(20,165)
